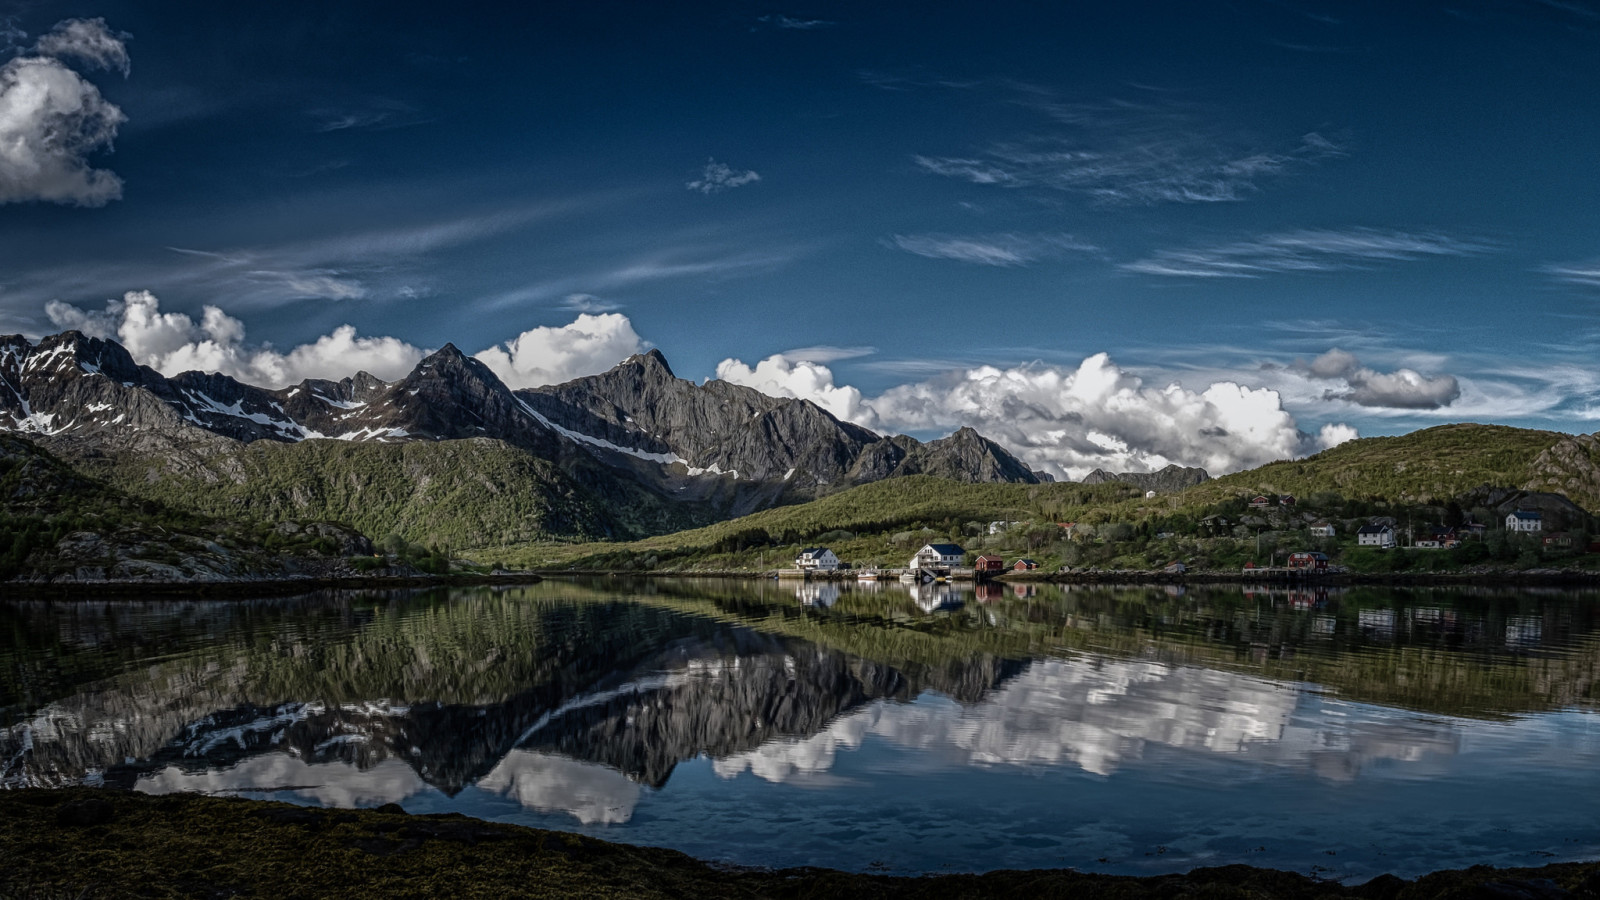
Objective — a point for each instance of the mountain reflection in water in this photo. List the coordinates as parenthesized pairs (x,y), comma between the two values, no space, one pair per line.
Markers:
(1073,726)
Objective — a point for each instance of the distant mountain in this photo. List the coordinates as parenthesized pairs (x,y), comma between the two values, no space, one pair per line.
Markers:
(632,451)
(1172,478)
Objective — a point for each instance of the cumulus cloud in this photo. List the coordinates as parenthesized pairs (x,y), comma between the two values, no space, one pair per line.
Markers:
(1400,389)
(88,41)
(174,342)
(1066,421)
(718,177)
(992,249)
(782,376)
(51,120)
(591,344)
(1303,251)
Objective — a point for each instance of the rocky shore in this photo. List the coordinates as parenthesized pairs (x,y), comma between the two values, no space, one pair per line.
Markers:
(97,843)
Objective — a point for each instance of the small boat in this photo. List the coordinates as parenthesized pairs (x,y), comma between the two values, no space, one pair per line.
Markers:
(867,576)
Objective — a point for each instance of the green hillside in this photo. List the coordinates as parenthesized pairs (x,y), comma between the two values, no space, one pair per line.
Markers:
(448,493)
(55,520)
(895,513)
(1431,464)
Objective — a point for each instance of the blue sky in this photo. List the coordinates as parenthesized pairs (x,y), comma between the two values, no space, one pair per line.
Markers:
(921,217)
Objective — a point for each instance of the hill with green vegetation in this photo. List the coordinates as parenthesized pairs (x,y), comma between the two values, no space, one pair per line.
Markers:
(1431,465)
(876,523)
(57,524)
(472,492)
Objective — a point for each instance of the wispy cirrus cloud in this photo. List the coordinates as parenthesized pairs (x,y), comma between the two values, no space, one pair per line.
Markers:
(718,177)
(1009,249)
(792,23)
(1582,274)
(1153,149)
(1309,250)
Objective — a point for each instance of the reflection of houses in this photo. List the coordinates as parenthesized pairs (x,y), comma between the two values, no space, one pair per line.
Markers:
(1024,565)
(987,563)
(1322,530)
(934,597)
(933,556)
(989,591)
(1524,631)
(1025,591)
(1375,535)
(818,593)
(1525,520)
(816,559)
(1376,624)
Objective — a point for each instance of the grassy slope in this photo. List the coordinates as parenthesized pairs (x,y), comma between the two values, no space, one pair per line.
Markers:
(445,493)
(891,505)
(1435,463)
(43,500)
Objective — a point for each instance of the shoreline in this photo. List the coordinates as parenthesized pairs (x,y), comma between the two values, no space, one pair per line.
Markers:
(104,843)
(74,590)
(1523,578)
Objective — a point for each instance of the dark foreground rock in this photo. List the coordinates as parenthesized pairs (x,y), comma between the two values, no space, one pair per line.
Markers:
(86,843)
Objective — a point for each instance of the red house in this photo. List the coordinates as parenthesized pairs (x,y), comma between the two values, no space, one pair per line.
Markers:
(987,563)
(1308,559)
(1024,565)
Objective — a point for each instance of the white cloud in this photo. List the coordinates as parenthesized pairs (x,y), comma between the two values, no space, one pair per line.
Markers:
(51,120)
(591,344)
(1400,389)
(88,41)
(1585,274)
(793,24)
(1307,250)
(992,249)
(173,342)
(1065,421)
(781,376)
(718,177)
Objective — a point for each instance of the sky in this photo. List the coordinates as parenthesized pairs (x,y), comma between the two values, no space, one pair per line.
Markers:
(1106,235)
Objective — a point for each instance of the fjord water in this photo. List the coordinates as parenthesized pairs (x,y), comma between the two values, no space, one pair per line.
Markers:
(1342,732)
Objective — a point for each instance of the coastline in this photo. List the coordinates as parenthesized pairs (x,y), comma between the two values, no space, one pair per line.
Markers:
(103,590)
(104,843)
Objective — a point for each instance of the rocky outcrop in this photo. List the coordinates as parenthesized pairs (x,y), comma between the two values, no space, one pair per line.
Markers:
(1571,467)
(1172,478)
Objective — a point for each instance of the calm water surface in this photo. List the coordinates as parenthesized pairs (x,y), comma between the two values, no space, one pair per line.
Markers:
(1341,733)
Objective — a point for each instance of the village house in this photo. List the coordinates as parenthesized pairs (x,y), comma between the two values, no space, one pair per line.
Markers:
(816,559)
(1024,565)
(1260,503)
(1525,520)
(1322,530)
(1375,535)
(1001,527)
(1310,560)
(987,563)
(1437,539)
(937,555)
(1558,540)
(1175,568)
(1473,529)
(1287,500)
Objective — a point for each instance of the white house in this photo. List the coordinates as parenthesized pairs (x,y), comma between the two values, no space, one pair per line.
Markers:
(1525,520)
(816,559)
(934,555)
(1380,536)
(1322,529)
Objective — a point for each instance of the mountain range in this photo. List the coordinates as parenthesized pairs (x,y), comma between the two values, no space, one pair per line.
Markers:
(449,453)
